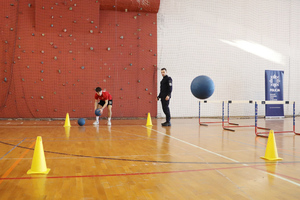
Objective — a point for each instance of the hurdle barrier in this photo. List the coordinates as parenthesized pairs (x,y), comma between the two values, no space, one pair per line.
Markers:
(229,127)
(265,134)
(223,110)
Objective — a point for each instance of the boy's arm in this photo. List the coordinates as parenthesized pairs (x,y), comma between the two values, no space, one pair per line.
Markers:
(106,102)
(96,104)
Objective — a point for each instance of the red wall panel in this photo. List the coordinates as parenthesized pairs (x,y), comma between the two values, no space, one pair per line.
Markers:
(54,54)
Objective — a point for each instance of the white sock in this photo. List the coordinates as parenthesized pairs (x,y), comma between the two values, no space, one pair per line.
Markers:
(97,118)
(109,119)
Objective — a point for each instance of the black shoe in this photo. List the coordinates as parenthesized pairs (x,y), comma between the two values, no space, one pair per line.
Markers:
(166,124)
(163,123)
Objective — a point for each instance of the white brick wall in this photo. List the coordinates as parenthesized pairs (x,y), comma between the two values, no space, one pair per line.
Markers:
(201,37)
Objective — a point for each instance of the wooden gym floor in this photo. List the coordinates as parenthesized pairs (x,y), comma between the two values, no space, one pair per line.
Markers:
(130,161)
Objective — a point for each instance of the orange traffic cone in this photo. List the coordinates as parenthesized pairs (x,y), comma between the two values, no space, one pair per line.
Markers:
(67,121)
(149,121)
(271,150)
(38,165)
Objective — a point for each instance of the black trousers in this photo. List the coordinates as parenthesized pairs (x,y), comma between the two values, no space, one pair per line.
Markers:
(165,107)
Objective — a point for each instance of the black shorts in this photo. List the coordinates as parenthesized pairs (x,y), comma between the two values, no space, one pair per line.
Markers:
(101,103)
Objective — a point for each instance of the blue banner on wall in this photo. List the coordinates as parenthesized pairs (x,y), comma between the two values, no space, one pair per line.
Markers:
(274,92)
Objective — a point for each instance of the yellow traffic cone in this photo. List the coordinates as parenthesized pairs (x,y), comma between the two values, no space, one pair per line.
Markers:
(271,150)
(271,168)
(67,131)
(149,130)
(38,165)
(38,186)
(67,121)
(149,121)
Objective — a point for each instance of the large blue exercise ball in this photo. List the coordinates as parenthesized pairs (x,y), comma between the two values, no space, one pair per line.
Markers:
(202,87)
(81,121)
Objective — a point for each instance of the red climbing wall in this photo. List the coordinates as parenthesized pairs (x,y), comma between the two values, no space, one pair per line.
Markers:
(55,53)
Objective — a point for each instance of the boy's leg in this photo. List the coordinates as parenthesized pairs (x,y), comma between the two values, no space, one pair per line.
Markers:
(97,117)
(109,113)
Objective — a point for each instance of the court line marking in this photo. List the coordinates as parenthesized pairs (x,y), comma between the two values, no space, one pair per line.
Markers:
(263,144)
(179,171)
(15,164)
(225,157)
(102,126)
(12,149)
(275,174)
(131,174)
(120,158)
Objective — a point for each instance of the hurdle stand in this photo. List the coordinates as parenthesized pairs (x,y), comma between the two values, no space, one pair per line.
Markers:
(232,125)
(206,123)
(266,134)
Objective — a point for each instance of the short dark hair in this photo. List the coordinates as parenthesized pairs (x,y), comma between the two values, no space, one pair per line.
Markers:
(98,89)
(163,69)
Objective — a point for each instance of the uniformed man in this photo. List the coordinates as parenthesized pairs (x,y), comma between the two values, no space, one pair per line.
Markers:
(165,95)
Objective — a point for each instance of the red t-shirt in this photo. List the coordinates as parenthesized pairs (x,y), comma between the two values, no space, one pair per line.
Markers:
(104,96)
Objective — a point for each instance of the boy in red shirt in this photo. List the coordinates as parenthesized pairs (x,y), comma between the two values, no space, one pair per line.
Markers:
(105,101)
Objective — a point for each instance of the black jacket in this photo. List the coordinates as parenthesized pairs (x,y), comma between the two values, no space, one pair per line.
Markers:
(165,87)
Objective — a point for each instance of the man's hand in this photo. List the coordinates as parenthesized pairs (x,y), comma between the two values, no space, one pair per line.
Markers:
(167,98)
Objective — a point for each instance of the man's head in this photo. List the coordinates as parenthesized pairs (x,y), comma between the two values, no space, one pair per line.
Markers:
(98,91)
(163,71)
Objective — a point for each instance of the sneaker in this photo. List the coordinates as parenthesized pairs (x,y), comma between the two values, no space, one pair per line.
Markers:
(108,123)
(166,124)
(96,122)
